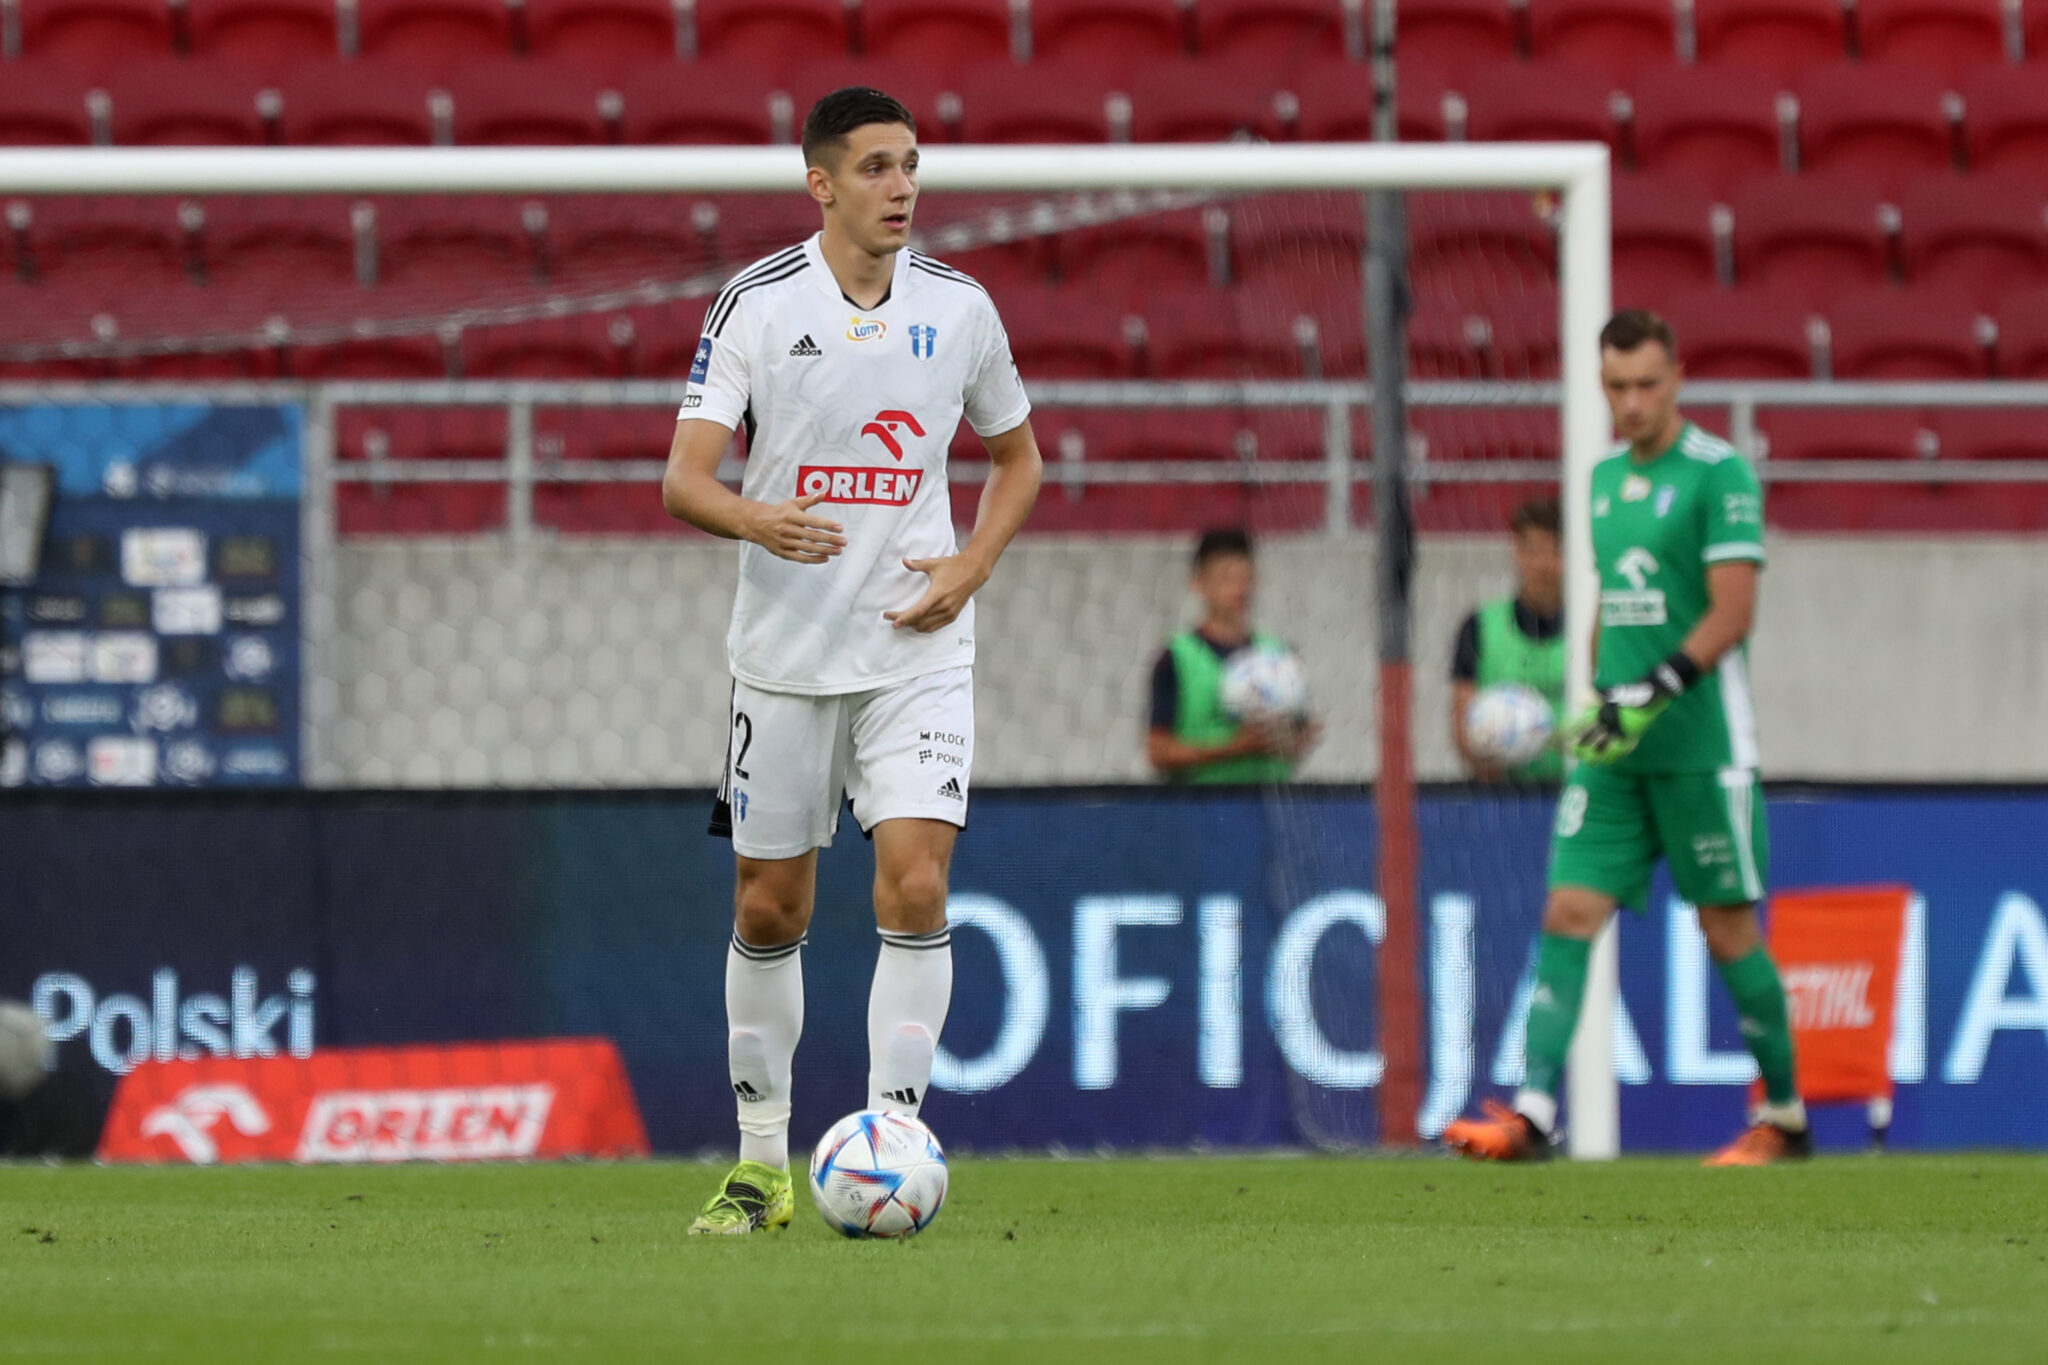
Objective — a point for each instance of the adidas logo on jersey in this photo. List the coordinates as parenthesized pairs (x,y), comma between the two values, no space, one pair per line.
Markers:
(904,1096)
(951,788)
(747,1092)
(806,347)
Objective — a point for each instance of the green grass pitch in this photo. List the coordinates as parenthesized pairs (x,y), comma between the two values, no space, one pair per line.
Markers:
(1240,1259)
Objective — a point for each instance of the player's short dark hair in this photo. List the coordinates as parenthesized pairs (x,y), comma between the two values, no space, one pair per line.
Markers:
(1220,541)
(839,113)
(1633,327)
(1537,514)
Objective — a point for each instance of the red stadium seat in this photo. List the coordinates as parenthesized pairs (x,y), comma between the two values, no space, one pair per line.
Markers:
(1942,35)
(467,250)
(611,241)
(699,105)
(288,254)
(264,35)
(1539,102)
(1221,334)
(1268,37)
(1299,243)
(1001,102)
(1908,334)
(437,34)
(1663,239)
(2023,336)
(604,433)
(1132,258)
(768,35)
(940,34)
(2034,20)
(1476,247)
(1883,125)
(1334,103)
(103,246)
(1779,38)
(602,35)
(1991,433)
(2005,119)
(1714,127)
(1464,433)
(1118,33)
(1809,238)
(1844,433)
(170,103)
(1448,35)
(1069,334)
(366,357)
(530,103)
(1618,38)
(1981,242)
(1741,334)
(586,346)
(1196,101)
(356,104)
(42,105)
(93,35)
(200,367)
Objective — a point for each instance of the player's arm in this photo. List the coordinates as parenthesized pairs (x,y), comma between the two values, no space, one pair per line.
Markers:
(1016,469)
(1731,612)
(691,491)
(1464,687)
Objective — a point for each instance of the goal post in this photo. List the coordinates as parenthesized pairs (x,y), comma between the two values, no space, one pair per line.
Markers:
(1577,174)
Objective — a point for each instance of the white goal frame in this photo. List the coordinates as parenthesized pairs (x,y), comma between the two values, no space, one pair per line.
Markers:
(1576,172)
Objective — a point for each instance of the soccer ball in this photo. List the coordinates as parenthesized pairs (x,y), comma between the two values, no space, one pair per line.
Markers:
(24,1050)
(1263,684)
(877,1174)
(1509,724)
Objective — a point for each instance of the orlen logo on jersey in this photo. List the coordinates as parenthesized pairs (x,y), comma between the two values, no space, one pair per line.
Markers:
(866,329)
(887,423)
(887,487)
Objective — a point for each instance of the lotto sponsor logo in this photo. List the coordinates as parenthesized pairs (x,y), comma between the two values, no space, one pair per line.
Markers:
(866,329)
(487,1123)
(879,487)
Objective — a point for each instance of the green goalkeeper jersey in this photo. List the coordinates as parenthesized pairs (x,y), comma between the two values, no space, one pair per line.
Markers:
(1657,528)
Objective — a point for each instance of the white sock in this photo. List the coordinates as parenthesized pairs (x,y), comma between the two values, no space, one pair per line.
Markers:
(764,1015)
(1791,1115)
(906,1011)
(1539,1108)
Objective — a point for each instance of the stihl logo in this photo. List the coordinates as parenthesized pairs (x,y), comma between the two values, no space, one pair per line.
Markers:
(1830,995)
(887,424)
(481,1124)
(879,486)
(188,1120)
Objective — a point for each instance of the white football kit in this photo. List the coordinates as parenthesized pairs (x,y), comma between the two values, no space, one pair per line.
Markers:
(861,405)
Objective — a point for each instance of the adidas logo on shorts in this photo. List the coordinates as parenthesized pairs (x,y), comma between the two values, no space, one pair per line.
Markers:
(952,789)
(806,347)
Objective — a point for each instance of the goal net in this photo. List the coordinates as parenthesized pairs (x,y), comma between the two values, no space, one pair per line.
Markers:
(356,461)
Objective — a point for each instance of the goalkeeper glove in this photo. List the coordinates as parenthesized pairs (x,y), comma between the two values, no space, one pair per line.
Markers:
(1611,728)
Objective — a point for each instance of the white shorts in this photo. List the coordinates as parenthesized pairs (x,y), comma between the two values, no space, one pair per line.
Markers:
(901,752)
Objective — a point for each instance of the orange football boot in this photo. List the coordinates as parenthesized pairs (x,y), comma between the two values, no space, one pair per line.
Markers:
(1764,1144)
(1503,1135)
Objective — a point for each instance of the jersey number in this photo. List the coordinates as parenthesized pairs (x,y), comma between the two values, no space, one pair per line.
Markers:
(744,728)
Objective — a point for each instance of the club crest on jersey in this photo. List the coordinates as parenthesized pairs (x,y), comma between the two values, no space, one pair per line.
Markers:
(866,329)
(887,423)
(1635,488)
(1664,498)
(922,339)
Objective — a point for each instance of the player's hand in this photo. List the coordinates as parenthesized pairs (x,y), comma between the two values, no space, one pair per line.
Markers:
(789,530)
(1612,727)
(954,579)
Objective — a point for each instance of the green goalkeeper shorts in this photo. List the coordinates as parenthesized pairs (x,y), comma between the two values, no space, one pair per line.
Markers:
(1613,826)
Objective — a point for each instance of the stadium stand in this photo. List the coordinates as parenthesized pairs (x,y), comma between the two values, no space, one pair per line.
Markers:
(2005,118)
(768,35)
(1448,35)
(93,35)
(340,103)
(1664,238)
(435,34)
(1126,33)
(1879,124)
(1777,38)
(1742,334)
(1809,238)
(165,102)
(1618,38)
(1943,36)
(1268,37)
(1540,102)
(606,36)
(264,36)
(1909,334)
(512,103)
(1711,127)
(1981,245)
(42,104)
(939,34)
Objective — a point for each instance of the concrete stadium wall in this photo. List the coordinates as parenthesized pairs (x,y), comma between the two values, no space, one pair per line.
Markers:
(602,663)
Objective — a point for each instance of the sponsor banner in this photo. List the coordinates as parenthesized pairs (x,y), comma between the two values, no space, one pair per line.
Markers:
(466,1102)
(1133,967)
(172,555)
(884,487)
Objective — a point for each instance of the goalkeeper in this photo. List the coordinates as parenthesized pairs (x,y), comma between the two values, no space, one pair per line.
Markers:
(1668,754)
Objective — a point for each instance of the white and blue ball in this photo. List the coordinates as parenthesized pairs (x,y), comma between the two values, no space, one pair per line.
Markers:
(1509,724)
(1265,683)
(878,1174)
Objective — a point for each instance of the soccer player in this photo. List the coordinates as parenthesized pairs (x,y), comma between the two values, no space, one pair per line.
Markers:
(1190,738)
(1668,754)
(849,359)
(1518,639)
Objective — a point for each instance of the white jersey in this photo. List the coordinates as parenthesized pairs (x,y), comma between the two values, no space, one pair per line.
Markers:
(860,404)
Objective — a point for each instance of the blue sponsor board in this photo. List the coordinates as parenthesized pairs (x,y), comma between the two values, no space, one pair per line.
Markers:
(1133,968)
(159,644)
